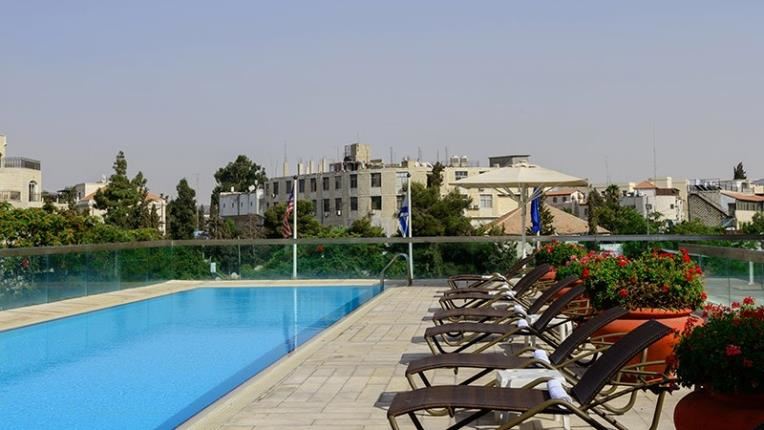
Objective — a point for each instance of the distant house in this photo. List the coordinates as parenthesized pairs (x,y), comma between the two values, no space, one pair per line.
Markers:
(20,180)
(647,198)
(743,206)
(245,209)
(87,205)
(571,200)
(564,223)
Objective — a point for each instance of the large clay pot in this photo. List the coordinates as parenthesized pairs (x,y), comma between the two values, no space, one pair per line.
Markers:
(660,350)
(550,275)
(704,409)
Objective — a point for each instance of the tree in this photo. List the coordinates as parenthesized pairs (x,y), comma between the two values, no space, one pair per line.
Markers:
(756,226)
(124,200)
(435,177)
(307,224)
(436,215)
(182,212)
(238,175)
(738,172)
(593,202)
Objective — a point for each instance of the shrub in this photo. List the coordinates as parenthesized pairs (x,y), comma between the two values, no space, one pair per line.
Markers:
(558,253)
(727,353)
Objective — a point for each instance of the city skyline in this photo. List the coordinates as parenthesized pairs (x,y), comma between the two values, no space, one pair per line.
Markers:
(183,88)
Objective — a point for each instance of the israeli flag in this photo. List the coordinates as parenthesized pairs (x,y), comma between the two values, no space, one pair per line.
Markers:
(403,218)
(536,215)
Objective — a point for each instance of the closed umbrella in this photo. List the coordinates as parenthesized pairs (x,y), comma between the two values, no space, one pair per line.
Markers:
(516,180)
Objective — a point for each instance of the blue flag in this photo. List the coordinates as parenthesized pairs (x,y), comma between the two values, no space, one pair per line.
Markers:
(403,218)
(536,215)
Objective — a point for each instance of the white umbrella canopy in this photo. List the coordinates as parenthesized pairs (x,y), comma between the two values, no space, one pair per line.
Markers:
(517,179)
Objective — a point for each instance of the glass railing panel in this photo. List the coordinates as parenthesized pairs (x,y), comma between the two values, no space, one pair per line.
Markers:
(67,276)
(132,265)
(261,262)
(22,281)
(441,260)
(103,271)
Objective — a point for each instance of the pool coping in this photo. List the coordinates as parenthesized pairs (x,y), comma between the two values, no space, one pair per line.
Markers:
(15,318)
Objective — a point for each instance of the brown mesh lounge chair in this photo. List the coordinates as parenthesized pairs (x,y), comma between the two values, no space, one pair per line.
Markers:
(585,399)
(486,335)
(471,281)
(567,357)
(476,297)
(489,313)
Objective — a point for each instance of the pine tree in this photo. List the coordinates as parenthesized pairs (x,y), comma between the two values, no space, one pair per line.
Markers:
(738,172)
(124,200)
(182,212)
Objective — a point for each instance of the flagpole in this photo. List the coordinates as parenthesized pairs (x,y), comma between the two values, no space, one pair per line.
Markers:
(410,227)
(294,228)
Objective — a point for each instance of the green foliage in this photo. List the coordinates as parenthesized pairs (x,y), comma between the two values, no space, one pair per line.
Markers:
(238,175)
(433,215)
(182,212)
(124,200)
(558,253)
(738,172)
(307,224)
(756,226)
(435,177)
(725,354)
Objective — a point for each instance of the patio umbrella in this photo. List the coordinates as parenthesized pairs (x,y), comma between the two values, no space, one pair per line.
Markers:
(516,180)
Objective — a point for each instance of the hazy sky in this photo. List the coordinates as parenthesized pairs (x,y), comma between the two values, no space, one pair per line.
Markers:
(184,86)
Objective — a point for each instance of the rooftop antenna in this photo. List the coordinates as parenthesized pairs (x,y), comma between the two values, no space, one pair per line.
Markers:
(437,155)
(391,155)
(419,153)
(285,158)
(447,159)
(607,172)
(655,157)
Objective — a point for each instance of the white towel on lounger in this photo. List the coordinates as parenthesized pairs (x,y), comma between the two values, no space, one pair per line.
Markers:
(520,310)
(541,355)
(556,390)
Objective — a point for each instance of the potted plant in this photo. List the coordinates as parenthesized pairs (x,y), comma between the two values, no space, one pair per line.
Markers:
(658,285)
(557,254)
(724,361)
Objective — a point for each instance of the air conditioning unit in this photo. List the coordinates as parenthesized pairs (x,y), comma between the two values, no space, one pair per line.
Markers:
(474,207)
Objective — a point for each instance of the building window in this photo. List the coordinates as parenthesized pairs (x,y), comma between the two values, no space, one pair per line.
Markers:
(354,204)
(564,199)
(338,206)
(325,183)
(554,199)
(327,208)
(376,180)
(301,186)
(288,188)
(337,182)
(486,201)
(275,188)
(376,203)
(398,201)
(313,185)
(353,181)
(34,195)
(460,174)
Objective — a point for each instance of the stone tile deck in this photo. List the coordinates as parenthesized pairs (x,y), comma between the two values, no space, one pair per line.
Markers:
(346,377)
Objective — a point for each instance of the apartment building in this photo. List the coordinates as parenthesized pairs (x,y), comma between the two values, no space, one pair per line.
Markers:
(570,200)
(20,179)
(342,192)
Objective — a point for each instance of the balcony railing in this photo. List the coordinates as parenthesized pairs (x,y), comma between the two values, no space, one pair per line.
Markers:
(10,196)
(733,265)
(20,163)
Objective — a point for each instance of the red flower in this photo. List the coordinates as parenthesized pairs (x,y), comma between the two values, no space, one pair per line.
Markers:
(704,296)
(748,301)
(623,292)
(622,262)
(320,249)
(735,305)
(732,350)
(698,270)
(665,289)
(689,276)
(747,363)
(685,255)
(585,273)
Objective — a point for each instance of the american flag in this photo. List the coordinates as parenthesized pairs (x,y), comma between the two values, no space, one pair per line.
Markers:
(286,226)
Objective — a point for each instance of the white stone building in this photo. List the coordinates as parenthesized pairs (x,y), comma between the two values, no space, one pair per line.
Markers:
(20,179)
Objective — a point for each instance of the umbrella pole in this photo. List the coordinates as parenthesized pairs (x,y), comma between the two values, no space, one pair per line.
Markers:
(523,203)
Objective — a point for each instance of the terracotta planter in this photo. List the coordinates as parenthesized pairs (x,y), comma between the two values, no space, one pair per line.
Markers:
(550,275)
(676,319)
(704,409)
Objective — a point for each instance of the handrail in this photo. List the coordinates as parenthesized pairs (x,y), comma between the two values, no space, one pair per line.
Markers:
(66,249)
(393,260)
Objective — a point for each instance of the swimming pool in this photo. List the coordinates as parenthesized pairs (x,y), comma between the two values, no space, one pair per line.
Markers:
(157,362)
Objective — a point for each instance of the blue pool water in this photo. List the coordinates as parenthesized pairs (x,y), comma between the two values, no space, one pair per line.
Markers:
(155,363)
